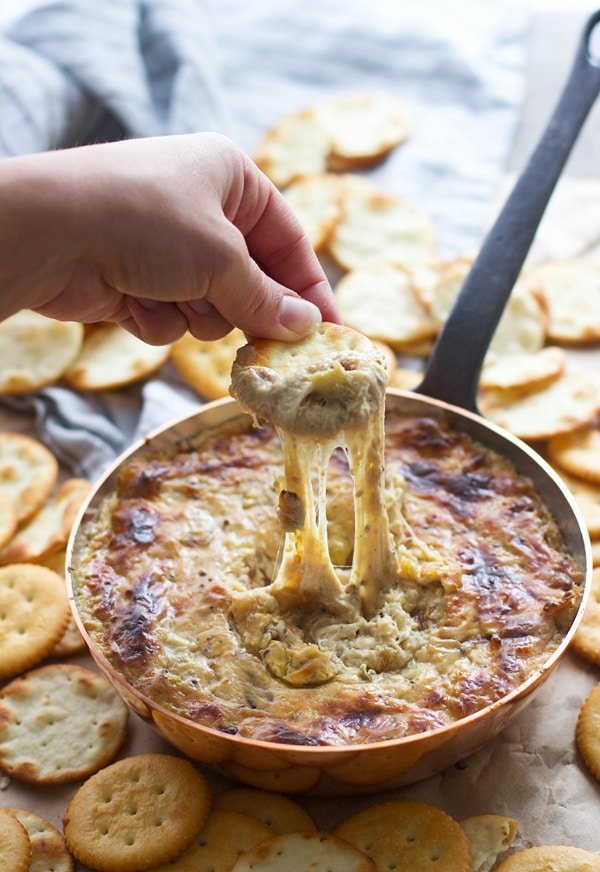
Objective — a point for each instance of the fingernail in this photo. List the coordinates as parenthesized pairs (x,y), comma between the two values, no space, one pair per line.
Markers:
(298,315)
(147,304)
(200,307)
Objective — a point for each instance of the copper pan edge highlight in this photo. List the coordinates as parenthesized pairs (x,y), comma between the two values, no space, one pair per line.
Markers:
(376,766)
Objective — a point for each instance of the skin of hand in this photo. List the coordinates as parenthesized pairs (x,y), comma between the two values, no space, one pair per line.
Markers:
(160,235)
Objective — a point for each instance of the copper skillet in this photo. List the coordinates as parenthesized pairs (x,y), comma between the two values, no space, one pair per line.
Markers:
(448,391)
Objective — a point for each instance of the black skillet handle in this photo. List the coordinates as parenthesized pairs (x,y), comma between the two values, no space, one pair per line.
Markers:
(453,371)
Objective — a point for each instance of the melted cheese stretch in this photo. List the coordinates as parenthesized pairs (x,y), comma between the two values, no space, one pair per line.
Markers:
(306,575)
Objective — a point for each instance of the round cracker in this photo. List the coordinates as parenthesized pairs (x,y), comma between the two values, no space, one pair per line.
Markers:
(441,296)
(281,814)
(111,357)
(49,530)
(136,813)
(377,228)
(28,472)
(569,402)
(551,858)
(35,351)
(522,327)
(296,146)
(405,379)
(289,851)
(294,779)
(34,611)
(382,303)
(15,850)
(596,553)
(48,850)
(206,366)
(71,642)
(413,836)
(59,723)
(316,202)
(588,732)
(389,355)
(489,836)
(587,497)
(8,520)
(528,369)
(586,640)
(362,128)
(572,290)
(578,452)
(226,835)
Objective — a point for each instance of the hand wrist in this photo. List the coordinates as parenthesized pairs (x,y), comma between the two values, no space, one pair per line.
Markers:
(38,221)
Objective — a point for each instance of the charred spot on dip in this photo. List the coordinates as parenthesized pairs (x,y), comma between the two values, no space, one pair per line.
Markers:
(475,593)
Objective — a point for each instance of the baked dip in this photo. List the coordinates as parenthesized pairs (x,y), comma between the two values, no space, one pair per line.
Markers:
(311,594)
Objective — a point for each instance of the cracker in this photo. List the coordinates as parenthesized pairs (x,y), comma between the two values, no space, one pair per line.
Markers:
(440,298)
(206,366)
(28,472)
(56,562)
(377,228)
(136,813)
(71,642)
(15,850)
(586,640)
(281,814)
(523,324)
(572,290)
(35,351)
(578,452)
(489,836)
(305,851)
(59,723)
(294,779)
(316,202)
(534,414)
(225,836)
(587,497)
(296,146)
(527,369)
(8,520)
(389,355)
(48,850)
(49,530)
(33,615)
(362,128)
(588,732)
(413,836)
(551,858)
(381,302)
(405,379)
(111,357)
(596,553)
(522,327)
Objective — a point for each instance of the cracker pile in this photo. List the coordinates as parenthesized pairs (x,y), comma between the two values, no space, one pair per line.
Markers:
(60,722)
(36,351)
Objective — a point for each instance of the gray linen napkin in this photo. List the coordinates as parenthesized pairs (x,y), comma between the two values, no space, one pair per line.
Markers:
(79,71)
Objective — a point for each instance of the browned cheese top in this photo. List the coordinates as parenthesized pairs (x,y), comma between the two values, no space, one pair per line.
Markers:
(173,579)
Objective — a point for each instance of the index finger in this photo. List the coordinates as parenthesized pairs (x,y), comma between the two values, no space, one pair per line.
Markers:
(279,245)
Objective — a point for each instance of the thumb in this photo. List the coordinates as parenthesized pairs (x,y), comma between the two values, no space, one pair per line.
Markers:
(249,299)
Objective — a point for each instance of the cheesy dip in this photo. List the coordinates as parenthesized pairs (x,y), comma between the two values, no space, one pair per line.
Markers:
(177,577)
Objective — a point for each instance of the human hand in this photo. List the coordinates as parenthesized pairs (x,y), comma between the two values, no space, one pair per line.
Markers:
(161,235)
